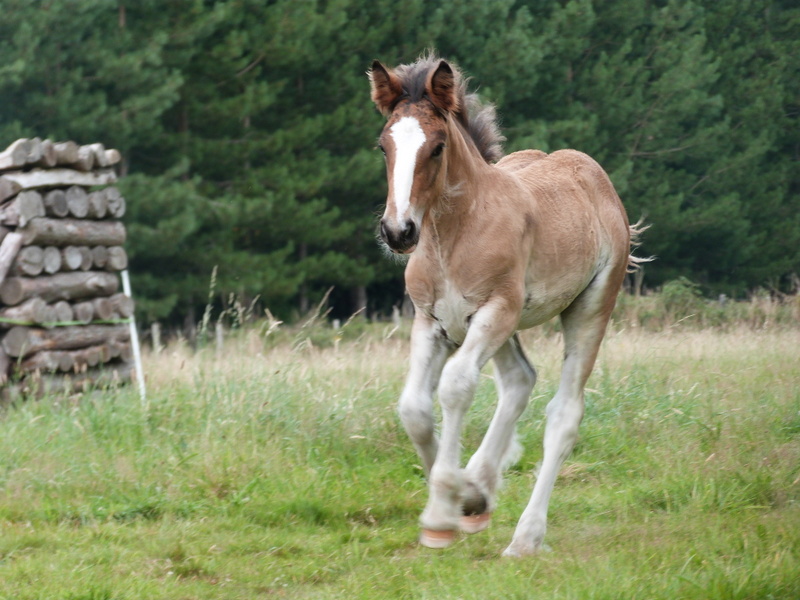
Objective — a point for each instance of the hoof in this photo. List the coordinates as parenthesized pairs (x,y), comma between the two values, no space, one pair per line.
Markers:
(431,538)
(475,523)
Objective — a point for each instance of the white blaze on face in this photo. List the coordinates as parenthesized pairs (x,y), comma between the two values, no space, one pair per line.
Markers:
(408,139)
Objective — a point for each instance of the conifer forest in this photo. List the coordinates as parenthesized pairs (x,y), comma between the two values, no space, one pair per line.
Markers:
(248,135)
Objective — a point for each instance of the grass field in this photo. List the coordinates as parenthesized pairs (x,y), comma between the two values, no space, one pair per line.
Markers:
(280,470)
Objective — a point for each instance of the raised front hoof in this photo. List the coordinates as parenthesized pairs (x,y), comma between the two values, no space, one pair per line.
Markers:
(475,523)
(431,538)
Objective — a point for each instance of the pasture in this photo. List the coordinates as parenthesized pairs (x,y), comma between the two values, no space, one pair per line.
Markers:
(279,469)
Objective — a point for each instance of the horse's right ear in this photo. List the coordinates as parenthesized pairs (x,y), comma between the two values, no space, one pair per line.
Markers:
(386,87)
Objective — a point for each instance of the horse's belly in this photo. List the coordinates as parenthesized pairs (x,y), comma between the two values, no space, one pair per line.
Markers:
(541,305)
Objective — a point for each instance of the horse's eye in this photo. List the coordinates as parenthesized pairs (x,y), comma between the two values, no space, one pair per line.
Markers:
(437,151)
(382,149)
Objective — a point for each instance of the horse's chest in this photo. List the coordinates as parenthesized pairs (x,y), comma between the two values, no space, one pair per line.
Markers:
(452,310)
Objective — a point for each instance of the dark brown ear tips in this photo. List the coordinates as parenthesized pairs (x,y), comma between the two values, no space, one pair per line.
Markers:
(386,87)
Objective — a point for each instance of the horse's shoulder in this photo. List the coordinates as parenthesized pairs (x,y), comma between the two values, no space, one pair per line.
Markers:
(520,160)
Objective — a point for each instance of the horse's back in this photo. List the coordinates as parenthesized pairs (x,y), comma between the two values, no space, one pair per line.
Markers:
(567,181)
(579,227)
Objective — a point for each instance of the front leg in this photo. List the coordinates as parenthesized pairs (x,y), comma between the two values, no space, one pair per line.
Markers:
(429,351)
(489,329)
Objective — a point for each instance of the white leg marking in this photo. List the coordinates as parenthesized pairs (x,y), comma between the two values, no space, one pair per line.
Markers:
(428,355)
(408,139)
(456,389)
(515,380)
(584,326)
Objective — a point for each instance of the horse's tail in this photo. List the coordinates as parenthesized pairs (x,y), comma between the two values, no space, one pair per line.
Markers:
(637,229)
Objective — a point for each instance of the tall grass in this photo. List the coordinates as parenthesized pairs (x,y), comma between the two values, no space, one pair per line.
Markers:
(278,468)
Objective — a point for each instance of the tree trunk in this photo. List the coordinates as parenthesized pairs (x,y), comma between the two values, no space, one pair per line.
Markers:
(61,286)
(67,232)
(47,178)
(24,341)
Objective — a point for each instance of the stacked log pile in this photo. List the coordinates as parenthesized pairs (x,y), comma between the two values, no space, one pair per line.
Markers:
(62,317)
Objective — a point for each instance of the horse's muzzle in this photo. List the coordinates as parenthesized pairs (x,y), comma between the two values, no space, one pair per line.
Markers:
(401,241)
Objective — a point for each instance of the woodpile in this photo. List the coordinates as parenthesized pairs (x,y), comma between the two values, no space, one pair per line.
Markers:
(63,320)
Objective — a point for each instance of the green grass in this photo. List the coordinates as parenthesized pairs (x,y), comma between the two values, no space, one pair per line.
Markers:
(281,471)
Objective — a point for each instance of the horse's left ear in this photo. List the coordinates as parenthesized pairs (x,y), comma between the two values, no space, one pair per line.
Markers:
(386,87)
(441,87)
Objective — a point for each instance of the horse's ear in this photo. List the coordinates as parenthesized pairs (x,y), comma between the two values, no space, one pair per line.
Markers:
(386,87)
(441,87)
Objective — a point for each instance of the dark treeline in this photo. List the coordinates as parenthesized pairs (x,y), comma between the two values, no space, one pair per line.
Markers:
(248,134)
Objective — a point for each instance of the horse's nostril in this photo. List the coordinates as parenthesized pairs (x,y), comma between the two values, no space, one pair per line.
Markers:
(384,233)
(410,231)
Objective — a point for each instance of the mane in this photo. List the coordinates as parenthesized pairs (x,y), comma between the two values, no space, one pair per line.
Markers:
(478,118)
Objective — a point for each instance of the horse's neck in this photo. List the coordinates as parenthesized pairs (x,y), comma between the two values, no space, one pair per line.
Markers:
(462,193)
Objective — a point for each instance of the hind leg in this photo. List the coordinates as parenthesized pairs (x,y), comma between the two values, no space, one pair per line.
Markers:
(584,324)
(515,378)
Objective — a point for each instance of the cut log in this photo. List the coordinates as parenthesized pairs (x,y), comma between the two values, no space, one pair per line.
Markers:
(22,209)
(38,385)
(87,259)
(52,260)
(77,201)
(24,341)
(33,260)
(63,311)
(9,248)
(49,158)
(99,152)
(113,156)
(5,367)
(69,232)
(85,160)
(66,152)
(34,150)
(8,188)
(29,261)
(61,286)
(47,178)
(123,306)
(117,259)
(32,311)
(120,349)
(99,257)
(98,205)
(84,311)
(116,203)
(47,361)
(55,204)
(16,155)
(103,309)
(71,258)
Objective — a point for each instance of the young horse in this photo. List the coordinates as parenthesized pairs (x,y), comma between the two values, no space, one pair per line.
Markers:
(494,247)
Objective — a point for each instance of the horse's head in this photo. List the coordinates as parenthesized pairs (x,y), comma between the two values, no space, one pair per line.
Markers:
(413,142)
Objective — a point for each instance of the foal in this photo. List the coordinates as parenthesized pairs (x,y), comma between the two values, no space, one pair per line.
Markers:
(496,245)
